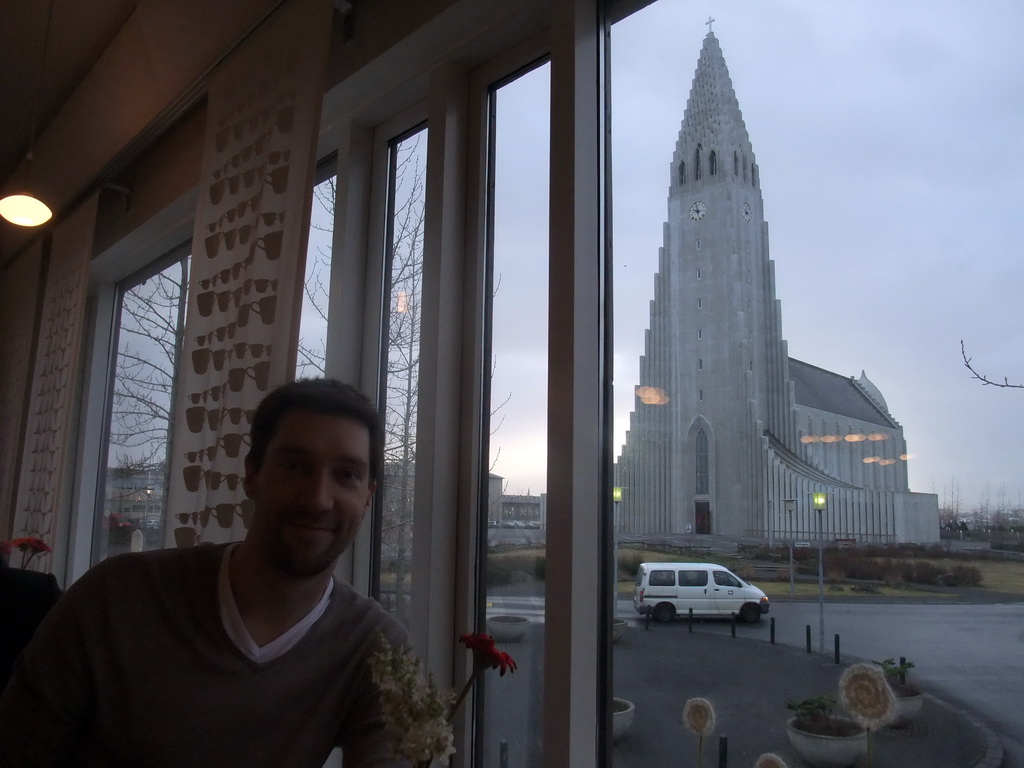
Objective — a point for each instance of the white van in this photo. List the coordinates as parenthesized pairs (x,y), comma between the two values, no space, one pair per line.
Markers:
(669,589)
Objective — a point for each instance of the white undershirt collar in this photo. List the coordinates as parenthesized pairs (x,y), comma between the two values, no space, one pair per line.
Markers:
(235,627)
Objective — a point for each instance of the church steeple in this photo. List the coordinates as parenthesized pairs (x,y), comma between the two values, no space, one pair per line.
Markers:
(713,143)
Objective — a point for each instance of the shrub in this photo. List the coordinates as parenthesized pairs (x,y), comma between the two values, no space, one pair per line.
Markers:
(499,572)
(967,575)
(540,567)
(835,575)
(629,563)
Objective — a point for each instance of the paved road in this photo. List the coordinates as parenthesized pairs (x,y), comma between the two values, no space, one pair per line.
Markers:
(971,655)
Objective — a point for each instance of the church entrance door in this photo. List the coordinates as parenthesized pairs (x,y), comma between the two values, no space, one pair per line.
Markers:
(702,517)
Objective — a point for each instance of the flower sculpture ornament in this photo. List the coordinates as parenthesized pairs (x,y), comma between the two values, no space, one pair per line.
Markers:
(699,717)
(770,760)
(29,546)
(419,715)
(866,695)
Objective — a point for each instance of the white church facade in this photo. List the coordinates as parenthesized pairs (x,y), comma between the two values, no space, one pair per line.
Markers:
(729,435)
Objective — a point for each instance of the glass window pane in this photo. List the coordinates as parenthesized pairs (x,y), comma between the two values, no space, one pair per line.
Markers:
(150,321)
(517,468)
(316,292)
(757,365)
(401,376)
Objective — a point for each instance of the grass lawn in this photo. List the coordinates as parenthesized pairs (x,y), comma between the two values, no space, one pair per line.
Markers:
(997,575)
(805,589)
(781,589)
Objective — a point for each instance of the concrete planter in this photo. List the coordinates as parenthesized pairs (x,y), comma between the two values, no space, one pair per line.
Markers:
(618,628)
(827,751)
(907,708)
(622,717)
(507,629)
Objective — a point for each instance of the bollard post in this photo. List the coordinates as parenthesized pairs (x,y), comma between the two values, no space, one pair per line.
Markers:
(903,675)
(808,633)
(503,754)
(723,751)
(689,620)
(771,625)
(837,647)
(734,623)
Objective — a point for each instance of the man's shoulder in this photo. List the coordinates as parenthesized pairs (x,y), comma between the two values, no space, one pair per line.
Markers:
(15,581)
(354,608)
(160,564)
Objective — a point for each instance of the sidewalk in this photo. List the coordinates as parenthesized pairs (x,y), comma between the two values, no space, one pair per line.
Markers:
(749,682)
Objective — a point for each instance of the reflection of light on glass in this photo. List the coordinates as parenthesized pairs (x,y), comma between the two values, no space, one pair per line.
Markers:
(855,438)
(830,438)
(877,436)
(403,302)
(652,395)
(809,439)
(887,462)
(870,459)
(907,456)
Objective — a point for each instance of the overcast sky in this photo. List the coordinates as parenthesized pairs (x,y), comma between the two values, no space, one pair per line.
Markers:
(890,141)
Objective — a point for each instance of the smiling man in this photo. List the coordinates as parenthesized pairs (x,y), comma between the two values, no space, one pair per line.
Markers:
(241,654)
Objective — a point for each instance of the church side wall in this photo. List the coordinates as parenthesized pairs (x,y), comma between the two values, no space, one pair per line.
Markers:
(844,459)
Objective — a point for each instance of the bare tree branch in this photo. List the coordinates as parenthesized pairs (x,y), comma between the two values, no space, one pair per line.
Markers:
(984,379)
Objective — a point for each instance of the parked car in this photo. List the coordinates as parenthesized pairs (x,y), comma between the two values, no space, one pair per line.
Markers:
(119,528)
(668,589)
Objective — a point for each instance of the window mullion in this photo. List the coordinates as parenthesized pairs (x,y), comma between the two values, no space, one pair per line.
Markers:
(574,605)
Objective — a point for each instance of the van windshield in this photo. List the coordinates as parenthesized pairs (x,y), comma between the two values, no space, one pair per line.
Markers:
(726,579)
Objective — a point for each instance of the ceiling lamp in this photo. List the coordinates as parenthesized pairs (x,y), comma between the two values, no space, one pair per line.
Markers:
(22,207)
(25,210)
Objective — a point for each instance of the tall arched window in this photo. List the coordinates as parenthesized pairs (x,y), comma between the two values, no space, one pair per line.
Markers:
(753,174)
(682,173)
(701,463)
(735,164)
(712,163)
(744,167)
(696,163)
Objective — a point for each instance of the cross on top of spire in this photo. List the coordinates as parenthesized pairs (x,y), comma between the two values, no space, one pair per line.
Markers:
(708,23)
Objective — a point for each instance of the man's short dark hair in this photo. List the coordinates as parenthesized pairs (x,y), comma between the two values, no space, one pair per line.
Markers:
(324,396)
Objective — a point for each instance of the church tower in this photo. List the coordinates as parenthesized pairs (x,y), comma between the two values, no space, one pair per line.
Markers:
(714,325)
(723,421)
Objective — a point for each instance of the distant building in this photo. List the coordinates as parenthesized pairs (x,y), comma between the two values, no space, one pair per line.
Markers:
(514,510)
(726,426)
(136,494)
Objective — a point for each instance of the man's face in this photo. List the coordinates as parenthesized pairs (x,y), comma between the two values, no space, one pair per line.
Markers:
(311,492)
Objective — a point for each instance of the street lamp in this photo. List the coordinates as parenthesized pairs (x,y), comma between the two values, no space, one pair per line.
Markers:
(616,500)
(790,505)
(819,501)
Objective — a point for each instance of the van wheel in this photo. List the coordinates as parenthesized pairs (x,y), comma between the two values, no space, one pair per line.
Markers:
(750,613)
(664,612)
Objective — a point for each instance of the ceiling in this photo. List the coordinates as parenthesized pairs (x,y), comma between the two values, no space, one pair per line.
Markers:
(31,92)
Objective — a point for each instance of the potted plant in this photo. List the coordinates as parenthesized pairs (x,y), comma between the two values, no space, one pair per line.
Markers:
(821,738)
(908,696)
(507,628)
(622,716)
(618,627)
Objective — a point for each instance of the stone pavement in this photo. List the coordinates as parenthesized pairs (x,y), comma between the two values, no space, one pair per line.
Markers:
(749,683)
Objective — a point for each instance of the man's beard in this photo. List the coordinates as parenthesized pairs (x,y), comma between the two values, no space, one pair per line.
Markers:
(283,557)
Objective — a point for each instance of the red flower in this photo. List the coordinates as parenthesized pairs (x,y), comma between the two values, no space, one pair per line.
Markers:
(32,543)
(485,654)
